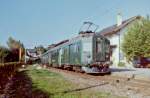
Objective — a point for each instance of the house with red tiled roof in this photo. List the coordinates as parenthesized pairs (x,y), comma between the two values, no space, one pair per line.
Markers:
(115,34)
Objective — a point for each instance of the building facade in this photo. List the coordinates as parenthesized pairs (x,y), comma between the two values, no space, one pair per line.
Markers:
(115,34)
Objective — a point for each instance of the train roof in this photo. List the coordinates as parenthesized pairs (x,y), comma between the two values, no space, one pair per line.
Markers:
(68,41)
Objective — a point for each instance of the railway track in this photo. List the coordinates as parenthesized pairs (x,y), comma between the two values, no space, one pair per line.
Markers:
(124,85)
(117,79)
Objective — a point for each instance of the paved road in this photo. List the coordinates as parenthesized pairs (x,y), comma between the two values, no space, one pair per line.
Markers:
(137,73)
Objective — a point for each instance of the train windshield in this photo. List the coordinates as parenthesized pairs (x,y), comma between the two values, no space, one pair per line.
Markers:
(98,46)
(99,49)
(107,46)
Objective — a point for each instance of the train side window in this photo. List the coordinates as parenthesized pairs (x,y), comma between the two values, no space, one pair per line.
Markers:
(78,48)
(75,48)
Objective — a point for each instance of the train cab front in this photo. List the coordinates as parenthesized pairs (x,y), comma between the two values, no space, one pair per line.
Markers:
(101,56)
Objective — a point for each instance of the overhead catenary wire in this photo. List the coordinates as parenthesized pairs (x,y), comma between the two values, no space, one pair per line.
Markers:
(104,13)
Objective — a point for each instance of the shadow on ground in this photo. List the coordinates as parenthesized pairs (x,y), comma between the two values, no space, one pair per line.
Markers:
(78,89)
(120,69)
(21,87)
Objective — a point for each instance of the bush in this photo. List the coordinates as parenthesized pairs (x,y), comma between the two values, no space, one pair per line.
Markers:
(7,70)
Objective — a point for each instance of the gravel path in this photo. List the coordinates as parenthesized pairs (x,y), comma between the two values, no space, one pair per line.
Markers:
(127,87)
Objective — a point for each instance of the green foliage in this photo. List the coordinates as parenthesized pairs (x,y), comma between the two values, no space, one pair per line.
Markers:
(14,44)
(136,42)
(11,54)
(40,49)
(4,52)
(121,64)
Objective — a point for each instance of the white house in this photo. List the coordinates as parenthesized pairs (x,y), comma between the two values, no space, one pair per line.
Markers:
(115,34)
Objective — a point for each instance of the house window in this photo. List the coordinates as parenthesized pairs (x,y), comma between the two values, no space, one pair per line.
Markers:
(121,56)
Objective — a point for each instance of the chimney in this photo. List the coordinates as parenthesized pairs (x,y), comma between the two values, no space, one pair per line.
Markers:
(119,19)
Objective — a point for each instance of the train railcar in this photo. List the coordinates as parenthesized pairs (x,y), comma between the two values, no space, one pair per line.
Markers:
(88,52)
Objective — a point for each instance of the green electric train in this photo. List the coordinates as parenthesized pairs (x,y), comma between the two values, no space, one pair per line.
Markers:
(88,52)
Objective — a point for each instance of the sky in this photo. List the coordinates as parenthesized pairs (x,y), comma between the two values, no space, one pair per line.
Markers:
(43,22)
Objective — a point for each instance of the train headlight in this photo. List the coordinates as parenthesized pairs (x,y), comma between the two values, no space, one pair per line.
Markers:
(107,55)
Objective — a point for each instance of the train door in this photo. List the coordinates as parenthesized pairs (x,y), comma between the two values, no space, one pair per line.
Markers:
(60,57)
(87,51)
(98,49)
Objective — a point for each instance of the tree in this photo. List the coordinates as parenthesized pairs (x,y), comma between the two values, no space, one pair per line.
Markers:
(136,42)
(40,49)
(4,52)
(16,46)
(11,54)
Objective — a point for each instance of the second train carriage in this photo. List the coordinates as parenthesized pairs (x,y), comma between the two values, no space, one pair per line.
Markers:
(88,52)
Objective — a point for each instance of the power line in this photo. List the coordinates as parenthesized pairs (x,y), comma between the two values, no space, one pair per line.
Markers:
(104,13)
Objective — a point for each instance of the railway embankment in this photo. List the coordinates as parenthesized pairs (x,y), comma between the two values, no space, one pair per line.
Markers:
(7,71)
(16,83)
(42,82)
(118,85)
(59,85)
(38,82)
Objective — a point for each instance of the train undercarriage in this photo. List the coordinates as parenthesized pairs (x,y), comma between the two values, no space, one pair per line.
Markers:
(94,70)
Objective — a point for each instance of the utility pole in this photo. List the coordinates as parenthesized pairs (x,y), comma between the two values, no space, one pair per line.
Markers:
(25,56)
(119,49)
(20,56)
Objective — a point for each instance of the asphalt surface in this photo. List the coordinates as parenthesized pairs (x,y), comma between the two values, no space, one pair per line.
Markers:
(137,73)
